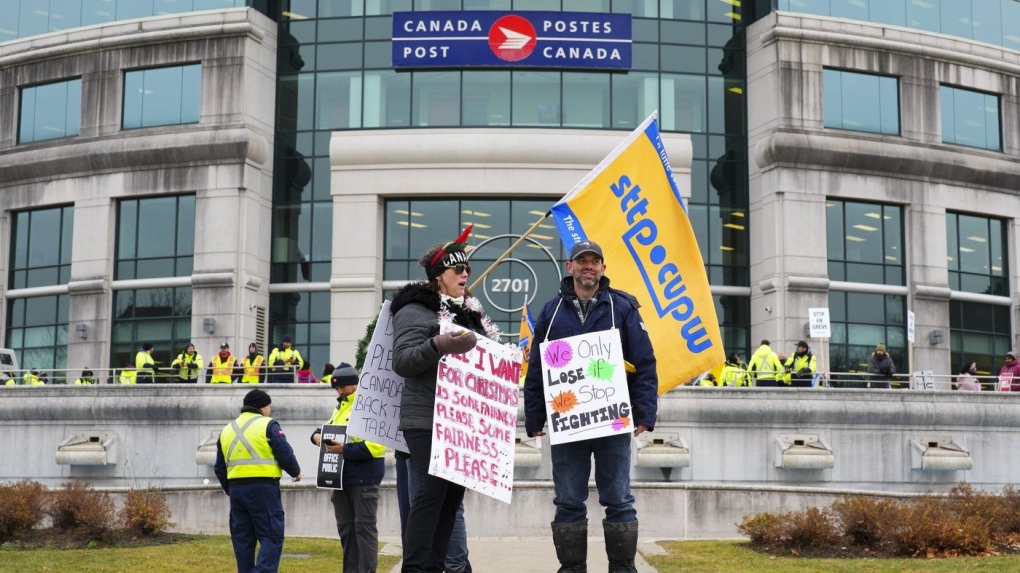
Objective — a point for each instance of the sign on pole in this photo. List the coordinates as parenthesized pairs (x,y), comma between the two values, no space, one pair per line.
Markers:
(910,326)
(475,418)
(585,387)
(818,323)
(330,466)
(376,411)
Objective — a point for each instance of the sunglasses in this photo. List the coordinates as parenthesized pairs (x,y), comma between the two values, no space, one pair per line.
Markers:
(461,268)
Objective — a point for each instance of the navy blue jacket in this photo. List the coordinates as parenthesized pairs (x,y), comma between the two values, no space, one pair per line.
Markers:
(637,349)
(282,451)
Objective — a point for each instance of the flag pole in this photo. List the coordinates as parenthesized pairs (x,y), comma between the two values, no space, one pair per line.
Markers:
(508,251)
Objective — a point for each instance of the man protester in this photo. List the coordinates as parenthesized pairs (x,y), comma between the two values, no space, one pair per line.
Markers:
(284,361)
(881,368)
(252,455)
(355,506)
(765,367)
(221,367)
(189,364)
(586,303)
(251,365)
(145,366)
(801,367)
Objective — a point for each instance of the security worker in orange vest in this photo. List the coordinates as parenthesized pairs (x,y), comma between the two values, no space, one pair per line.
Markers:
(251,365)
(252,455)
(221,367)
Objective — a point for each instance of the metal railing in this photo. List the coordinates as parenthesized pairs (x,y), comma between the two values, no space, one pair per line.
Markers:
(924,380)
(131,376)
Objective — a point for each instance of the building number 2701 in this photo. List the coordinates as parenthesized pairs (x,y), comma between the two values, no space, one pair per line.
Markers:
(511,285)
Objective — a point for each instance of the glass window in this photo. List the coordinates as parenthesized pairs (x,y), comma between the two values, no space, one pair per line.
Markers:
(338,100)
(865,242)
(977,251)
(979,333)
(41,247)
(587,100)
(436,97)
(304,316)
(970,118)
(860,102)
(155,237)
(683,103)
(925,15)
(486,98)
(37,332)
(161,316)
(50,111)
(860,322)
(536,98)
(635,96)
(162,96)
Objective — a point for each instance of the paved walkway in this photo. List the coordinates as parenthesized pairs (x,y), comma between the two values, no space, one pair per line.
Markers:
(531,555)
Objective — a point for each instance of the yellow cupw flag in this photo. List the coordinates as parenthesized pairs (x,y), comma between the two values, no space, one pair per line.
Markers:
(631,206)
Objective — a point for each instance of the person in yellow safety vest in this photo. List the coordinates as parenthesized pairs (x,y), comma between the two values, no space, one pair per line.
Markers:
(33,378)
(734,373)
(764,366)
(145,366)
(128,376)
(356,505)
(252,455)
(221,367)
(190,364)
(251,365)
(87,378)
(284,361)
(7,379)
(327,374)
(709,380)
(801,367)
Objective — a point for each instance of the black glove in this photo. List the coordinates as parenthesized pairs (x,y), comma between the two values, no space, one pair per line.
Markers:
(804,371)
(886,372)
(455,342)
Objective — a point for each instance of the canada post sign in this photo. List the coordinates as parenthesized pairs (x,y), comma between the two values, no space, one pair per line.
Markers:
(511,39)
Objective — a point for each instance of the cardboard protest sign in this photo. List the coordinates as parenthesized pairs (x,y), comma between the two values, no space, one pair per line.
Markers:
(475,423)
(330,466)
(376,411)
(1005,382)
(585,387)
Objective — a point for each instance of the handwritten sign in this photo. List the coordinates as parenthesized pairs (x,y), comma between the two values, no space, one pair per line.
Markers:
(585,385)
(330,466)
(1006,382)
(376,411)
(475,418)
(924,380)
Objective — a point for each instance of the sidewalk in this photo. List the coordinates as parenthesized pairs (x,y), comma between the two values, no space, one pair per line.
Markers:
(531,555)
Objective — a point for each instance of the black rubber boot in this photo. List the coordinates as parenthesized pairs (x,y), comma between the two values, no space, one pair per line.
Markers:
(621,546)
(571,541)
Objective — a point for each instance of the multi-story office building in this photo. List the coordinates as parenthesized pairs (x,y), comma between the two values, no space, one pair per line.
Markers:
(200,170)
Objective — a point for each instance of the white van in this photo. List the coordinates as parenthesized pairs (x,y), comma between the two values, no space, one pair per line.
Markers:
(8,366)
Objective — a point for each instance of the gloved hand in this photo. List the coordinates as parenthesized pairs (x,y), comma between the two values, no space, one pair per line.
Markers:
(886,372)
(455,342)
(804,371)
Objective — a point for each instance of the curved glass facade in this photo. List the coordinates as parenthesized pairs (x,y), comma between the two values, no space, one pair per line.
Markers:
(991,21)
(23,18)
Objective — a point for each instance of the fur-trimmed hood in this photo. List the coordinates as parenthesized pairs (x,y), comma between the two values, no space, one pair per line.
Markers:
(466,315)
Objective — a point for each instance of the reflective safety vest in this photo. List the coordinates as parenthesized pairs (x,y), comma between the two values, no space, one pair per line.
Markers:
(85,381)
(222,371)
(143,358)
(246,449)
(734,375)
(327,379)
(342,415)
(128,377)
(251,369)
(187,363)
(764,364)
(278,357)
(33,379)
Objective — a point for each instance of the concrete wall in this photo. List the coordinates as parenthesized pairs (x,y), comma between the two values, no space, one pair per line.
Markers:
(224,160)
(731,435)
(797,163)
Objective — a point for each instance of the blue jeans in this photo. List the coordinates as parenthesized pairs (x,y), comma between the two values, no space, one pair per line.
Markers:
(571,465)
(457,552)
(256,514)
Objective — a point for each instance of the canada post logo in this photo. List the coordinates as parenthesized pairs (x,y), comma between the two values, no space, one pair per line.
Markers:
(518,39)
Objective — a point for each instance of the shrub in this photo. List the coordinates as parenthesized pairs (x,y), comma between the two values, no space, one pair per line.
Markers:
(22,506)
(863,519)
(812,527)
(76,507)
(763,528)
(932,528)
(1009,514)
(145,512)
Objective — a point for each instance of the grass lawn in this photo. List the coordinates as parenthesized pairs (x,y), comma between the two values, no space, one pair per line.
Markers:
(198,554)
(735,556)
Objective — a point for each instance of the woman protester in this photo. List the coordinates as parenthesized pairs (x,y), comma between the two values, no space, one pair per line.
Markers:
(966,381)
(418,310)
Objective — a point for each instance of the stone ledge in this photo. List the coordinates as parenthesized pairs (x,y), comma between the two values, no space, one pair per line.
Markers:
(212,280)
(90,286)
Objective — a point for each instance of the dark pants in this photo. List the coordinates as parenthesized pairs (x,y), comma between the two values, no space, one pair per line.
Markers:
(800,381)
(256,515)
(766,383)
(355,509)
(403,498)
(433,510)
(143,378)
